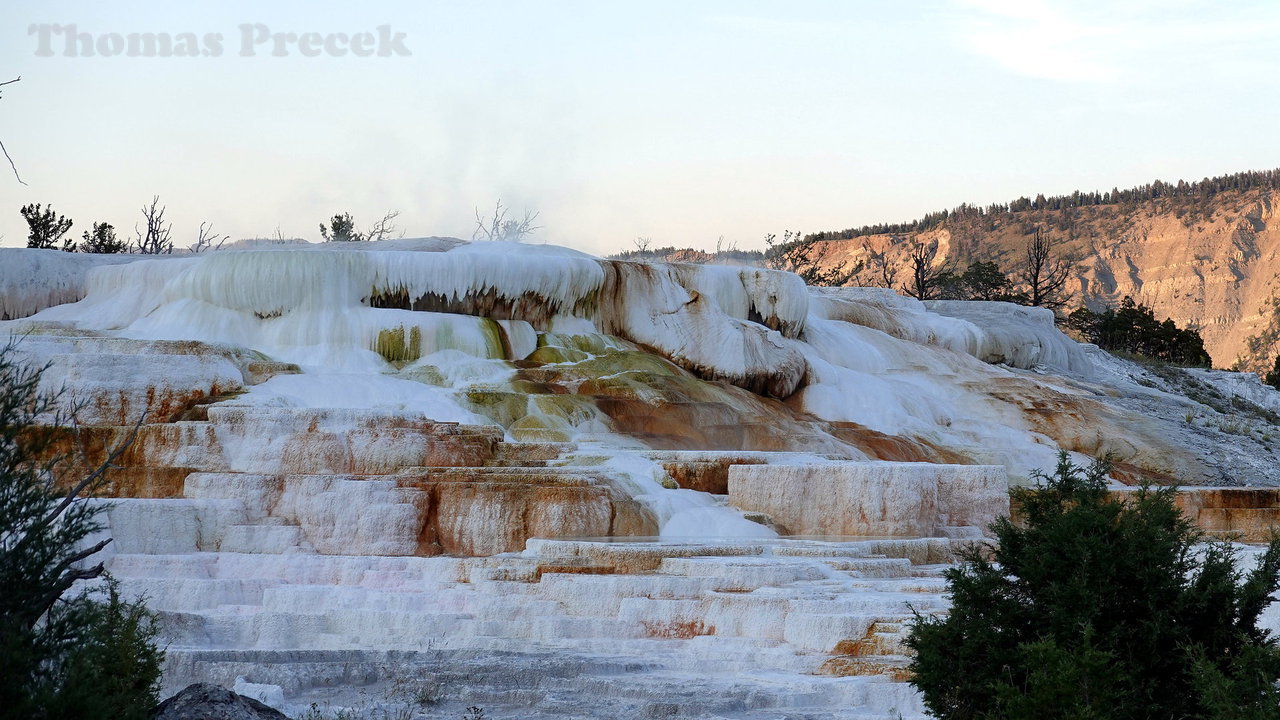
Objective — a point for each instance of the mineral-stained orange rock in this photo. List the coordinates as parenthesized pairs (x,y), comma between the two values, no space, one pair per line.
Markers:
(488,511)
(845,666)
(489,518)
(1081,424)
(1247,514)
(895,448)
(473,494)
(677,629)
(161,405)
(706,475)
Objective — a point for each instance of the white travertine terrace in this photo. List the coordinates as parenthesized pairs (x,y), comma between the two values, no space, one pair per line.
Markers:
(564,486)
(876,499)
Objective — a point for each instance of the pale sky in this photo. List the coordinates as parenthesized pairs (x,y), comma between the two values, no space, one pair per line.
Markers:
(677,121)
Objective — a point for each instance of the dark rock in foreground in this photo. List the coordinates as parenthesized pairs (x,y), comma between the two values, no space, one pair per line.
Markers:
(205,701)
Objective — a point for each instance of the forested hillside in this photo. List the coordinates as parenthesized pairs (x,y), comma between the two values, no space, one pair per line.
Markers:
(1205,254)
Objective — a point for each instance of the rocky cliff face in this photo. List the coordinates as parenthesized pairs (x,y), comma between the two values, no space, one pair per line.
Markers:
(1210,263)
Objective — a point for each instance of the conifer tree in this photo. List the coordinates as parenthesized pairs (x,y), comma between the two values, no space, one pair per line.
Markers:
(1273,377)
(342,228)
(1096,607)
(102,240)
(46,228)
(67,649)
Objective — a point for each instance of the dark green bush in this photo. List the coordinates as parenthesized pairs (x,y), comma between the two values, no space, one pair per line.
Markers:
(981,280)
(46,228)
(1272,378)
(1133,328)
(1097,607)
(103,239)
(67,649)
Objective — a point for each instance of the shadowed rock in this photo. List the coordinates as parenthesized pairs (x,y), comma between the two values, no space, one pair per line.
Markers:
(206,701)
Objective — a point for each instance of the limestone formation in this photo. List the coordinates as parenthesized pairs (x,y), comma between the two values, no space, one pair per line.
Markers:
(520,474)
(877,499)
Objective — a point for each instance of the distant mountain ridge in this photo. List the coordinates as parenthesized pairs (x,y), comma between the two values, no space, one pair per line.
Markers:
(1196,190)
(1204,253)
(1208,259)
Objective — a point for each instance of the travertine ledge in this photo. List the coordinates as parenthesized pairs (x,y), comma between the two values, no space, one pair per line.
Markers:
(881,498)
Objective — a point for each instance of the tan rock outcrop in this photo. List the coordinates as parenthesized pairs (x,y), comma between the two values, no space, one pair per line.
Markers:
(1212,264)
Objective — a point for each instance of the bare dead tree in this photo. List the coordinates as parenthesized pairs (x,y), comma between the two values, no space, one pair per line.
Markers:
(156,239)
(501,227)
(5,149)
(883,272)
(1044,275)
(206,239)
(385,228)
(642,244)
(795,254)
(721,247)
(925,272)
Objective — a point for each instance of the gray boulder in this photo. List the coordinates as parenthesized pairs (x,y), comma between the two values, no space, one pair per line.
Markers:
(205,701)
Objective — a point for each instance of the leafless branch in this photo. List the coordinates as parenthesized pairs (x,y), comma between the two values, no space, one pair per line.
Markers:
(796,254)
(206,239)
(385,227)
(926,273)
(15,167)
(155,241)
(884,270)
(92,478)
(1045,276)
(722,248)
(65,571)
(500,227)
(5,149)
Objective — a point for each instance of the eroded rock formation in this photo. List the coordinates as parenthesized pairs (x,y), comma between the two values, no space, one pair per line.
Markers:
(1211,263)
(352,458)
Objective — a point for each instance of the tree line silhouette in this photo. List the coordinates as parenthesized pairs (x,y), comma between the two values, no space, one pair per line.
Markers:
(1199,190)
